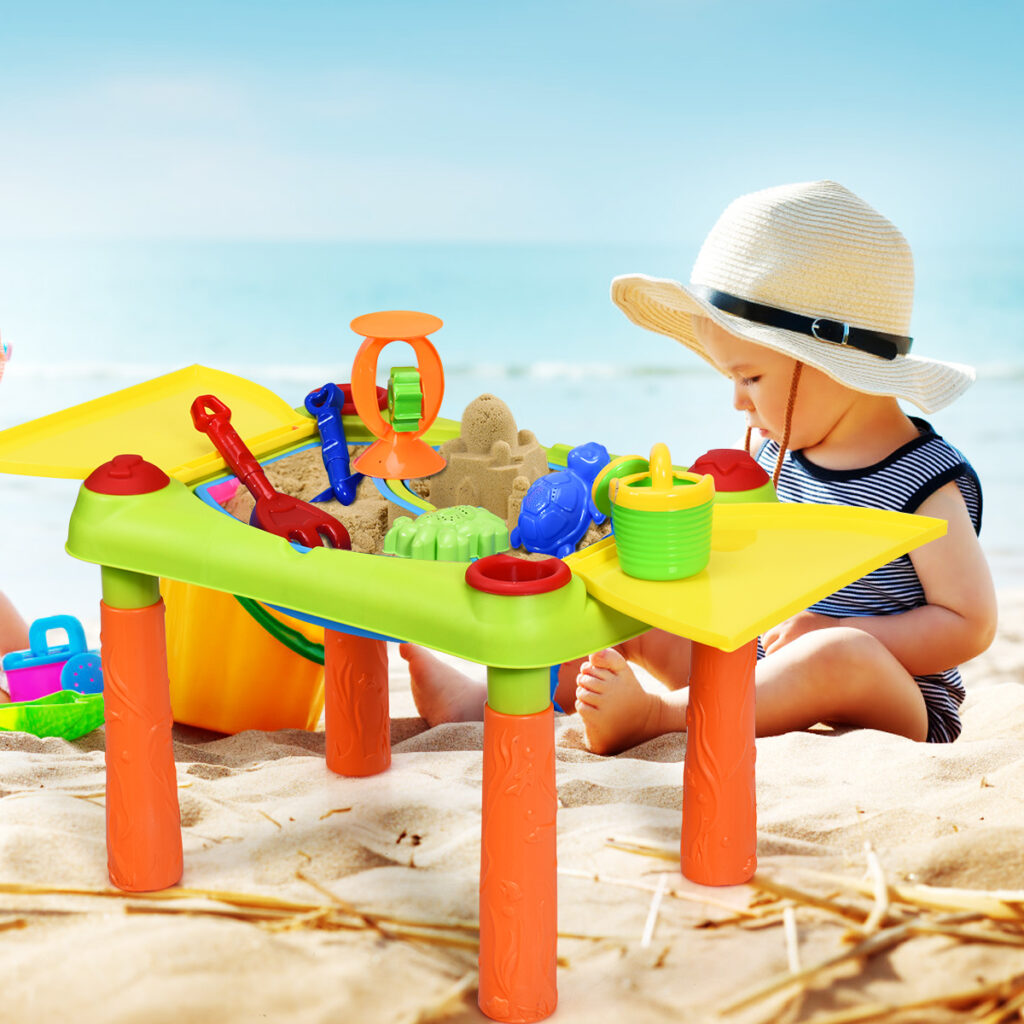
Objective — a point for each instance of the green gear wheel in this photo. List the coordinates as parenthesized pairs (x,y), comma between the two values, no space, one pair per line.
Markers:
(405,398)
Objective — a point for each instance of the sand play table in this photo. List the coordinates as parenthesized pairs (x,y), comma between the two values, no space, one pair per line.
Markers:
(138,525)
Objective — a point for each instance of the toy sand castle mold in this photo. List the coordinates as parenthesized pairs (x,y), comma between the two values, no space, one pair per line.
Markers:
(491,464)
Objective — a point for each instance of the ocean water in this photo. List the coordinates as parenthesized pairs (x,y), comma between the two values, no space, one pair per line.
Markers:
(532,324)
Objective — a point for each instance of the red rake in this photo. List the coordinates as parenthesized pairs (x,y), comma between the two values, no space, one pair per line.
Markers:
(277,513)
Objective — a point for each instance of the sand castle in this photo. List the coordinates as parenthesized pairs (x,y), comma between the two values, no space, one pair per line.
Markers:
(491,464)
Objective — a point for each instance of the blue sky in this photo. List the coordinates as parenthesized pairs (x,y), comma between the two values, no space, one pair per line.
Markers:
(561,121)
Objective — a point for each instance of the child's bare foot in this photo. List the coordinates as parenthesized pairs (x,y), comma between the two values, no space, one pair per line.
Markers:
(617,712)
(441,692)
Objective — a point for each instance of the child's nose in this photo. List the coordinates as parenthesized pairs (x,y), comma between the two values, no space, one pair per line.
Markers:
(740,399)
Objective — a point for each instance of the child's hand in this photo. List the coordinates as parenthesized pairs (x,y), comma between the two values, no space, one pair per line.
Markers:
(777,637)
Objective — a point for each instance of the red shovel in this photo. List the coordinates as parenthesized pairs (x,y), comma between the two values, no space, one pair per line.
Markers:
(274,512)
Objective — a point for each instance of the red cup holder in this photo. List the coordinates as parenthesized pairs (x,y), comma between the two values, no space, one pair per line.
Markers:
(517,577)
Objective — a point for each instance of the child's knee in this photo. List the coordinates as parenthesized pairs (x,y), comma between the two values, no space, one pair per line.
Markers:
(847,660)
(861,673)
(844,646)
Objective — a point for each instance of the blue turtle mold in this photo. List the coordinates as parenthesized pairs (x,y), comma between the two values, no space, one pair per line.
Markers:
(558,508)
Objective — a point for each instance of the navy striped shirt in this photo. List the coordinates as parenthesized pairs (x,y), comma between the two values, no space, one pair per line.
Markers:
(900,482)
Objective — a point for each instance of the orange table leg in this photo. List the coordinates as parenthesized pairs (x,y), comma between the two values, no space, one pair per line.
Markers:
(518,889)
(357,719)
(719,838)
(143,820)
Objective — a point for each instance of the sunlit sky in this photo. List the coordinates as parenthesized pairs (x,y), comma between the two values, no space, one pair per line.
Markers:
(529,121)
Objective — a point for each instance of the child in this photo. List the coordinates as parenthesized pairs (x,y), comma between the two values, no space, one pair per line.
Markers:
(13,629)
(13,637)
(801,295)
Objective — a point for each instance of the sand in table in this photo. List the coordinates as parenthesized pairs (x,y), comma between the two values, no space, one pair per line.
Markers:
(490,465)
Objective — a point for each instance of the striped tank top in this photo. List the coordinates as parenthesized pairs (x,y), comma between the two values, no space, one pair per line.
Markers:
(900,482)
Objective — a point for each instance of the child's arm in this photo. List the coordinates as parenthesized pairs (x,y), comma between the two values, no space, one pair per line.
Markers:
(959,620)
(13,629)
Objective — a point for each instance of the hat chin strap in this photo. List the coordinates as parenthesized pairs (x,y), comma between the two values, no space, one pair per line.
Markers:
(791,402)
(789,422)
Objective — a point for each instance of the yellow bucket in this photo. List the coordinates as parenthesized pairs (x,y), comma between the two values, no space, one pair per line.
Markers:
(228,673)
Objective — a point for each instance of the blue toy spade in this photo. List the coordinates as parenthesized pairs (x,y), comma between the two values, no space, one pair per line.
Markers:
(326,404)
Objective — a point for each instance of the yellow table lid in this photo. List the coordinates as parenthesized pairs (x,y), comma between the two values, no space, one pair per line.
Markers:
(152,420)
(768,562)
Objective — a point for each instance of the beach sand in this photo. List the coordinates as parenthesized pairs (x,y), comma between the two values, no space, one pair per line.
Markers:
(348,864)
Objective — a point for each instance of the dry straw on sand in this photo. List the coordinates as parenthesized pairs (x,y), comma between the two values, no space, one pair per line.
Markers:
(308,897)
(897,914)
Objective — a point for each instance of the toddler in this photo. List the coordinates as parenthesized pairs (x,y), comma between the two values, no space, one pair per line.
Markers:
(801,296)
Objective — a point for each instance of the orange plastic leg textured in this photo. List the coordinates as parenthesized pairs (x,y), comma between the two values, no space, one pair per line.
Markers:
(357,719)
(518,892)
(719,840)
(143,819)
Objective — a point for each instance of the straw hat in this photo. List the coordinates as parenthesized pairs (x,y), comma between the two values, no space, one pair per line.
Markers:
(812,271)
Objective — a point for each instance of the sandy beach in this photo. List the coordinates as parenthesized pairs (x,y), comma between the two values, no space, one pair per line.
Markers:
(310,898)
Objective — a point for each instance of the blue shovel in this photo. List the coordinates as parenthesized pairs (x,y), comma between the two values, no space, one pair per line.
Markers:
(326,404)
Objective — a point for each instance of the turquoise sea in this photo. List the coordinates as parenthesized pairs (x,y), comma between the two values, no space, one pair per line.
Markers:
(530,323)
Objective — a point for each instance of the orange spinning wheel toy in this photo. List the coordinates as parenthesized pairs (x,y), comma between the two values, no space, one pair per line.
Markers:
(399,454)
